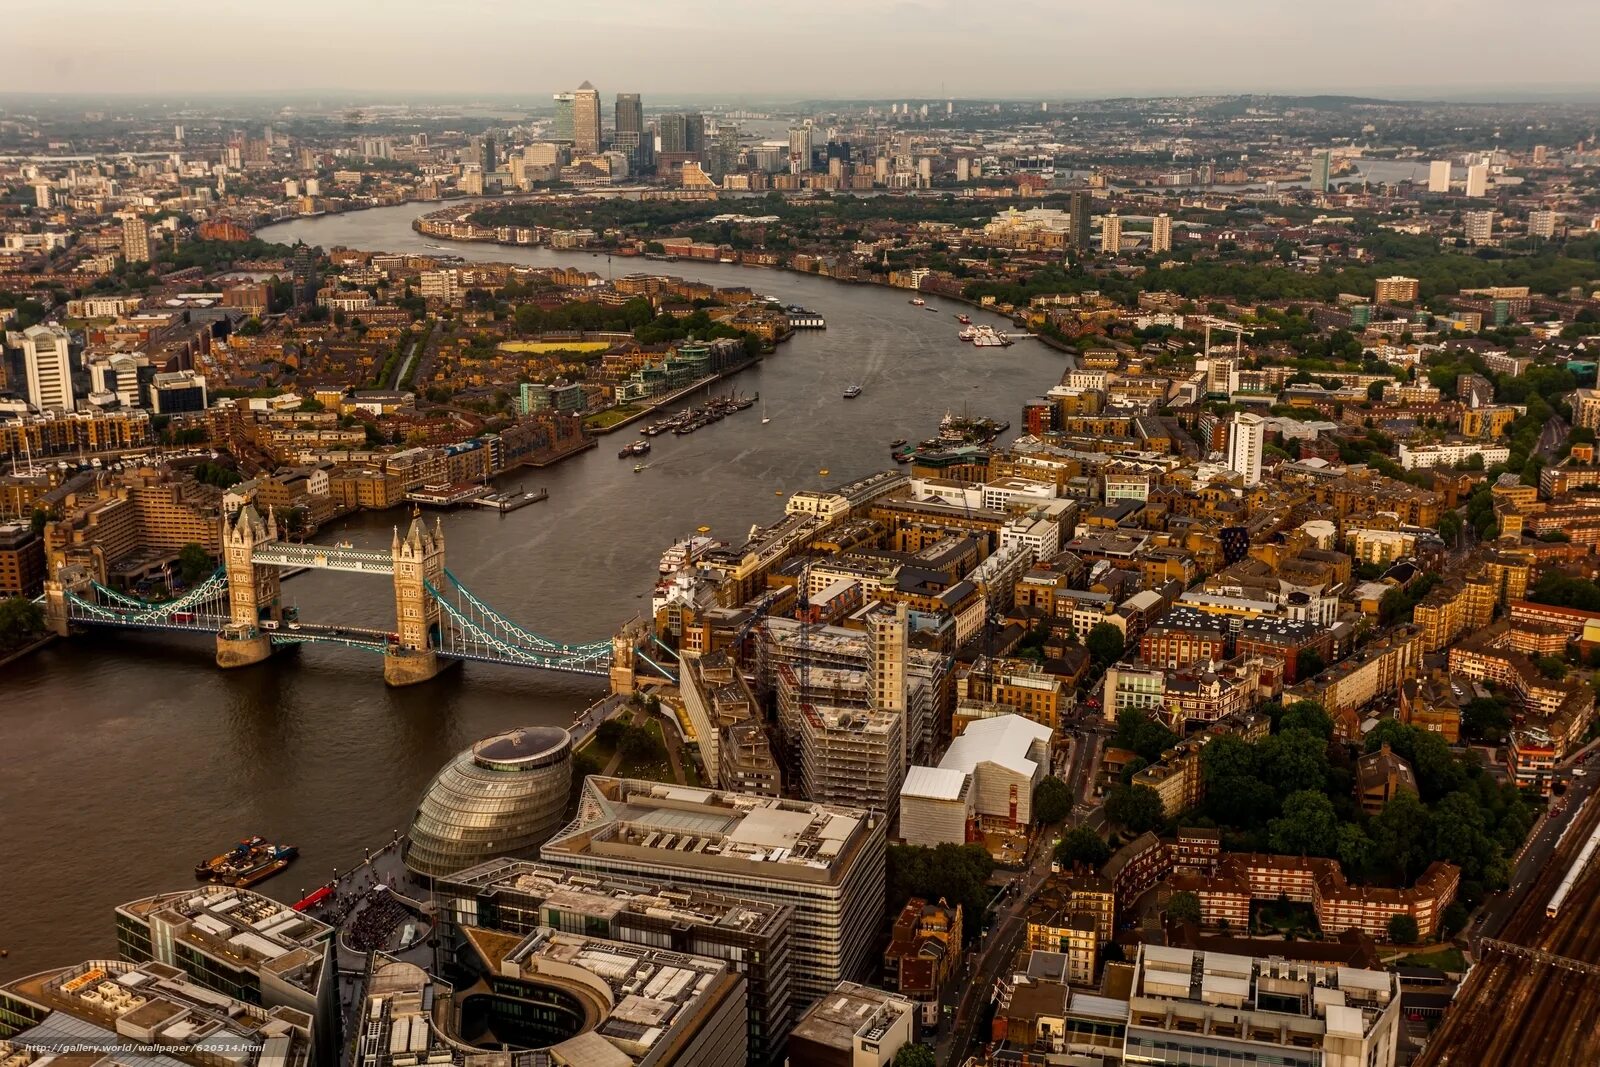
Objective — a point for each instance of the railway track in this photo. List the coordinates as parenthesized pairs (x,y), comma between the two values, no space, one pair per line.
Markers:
(1516,1009)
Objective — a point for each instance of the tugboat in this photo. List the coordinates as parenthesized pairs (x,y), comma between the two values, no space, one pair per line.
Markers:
(898,442)
(852,392)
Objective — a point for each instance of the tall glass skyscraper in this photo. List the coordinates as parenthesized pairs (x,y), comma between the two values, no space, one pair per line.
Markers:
(563,131)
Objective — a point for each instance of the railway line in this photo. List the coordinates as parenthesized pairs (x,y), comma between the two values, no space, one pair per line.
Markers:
(1534,993)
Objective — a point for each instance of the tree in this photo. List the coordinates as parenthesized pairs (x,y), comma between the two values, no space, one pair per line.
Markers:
(1308,664)
(1142,734)
(194,563)
(1400,836)
(1052,801)
(955,873)
(639,745)
(20,619)
(1082,845)
(1135,808)
(1105,644)
(914,1054)
(1485,719)
(38,520)
(1307,715)
(1183,907)
(1292,760)
(1402,930)
(1308,826)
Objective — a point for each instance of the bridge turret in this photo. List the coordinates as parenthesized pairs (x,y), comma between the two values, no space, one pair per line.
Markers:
(418,564)
(253,592)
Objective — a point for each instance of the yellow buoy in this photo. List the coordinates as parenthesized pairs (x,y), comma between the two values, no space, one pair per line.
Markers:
(823,472)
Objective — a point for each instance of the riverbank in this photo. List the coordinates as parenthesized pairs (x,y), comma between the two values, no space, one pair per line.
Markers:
(23,651)
(670,399)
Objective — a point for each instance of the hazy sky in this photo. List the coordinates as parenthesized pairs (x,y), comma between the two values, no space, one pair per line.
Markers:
(814,48)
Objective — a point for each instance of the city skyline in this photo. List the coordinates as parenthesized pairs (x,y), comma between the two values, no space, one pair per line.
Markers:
(1180,49)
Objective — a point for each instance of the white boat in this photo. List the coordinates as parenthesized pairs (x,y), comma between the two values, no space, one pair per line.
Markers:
(968,333)
(989,337)
(764,418)
(918,301)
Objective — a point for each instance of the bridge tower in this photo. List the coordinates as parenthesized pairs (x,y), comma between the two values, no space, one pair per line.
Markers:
(69,579)
(418,562)
(624,644)
(253,592)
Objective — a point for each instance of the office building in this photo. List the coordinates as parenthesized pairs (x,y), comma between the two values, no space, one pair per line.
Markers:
(565,122)
(91,1012)
(1082,209)
(586,119)
(47,366)
(747,762)
(135,240)
(178,391)
(825,862)
(519,897)
(1478,179)
(503,796)
(241,945)
(1395,290)
(1246,439)
(1479,227)
(631,137)
(1321,170)
(1439,176)
(683,133)
(1212,1007)
(1161,233)
(1111,233)
(551,998)
(853,1026)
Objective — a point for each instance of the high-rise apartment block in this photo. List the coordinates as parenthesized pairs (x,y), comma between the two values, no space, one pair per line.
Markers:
(1479,227)
(1478,179)
(135,240)
(1542,223)
(1321,170)
(1439,176)
(1111,233)
(1161,233)
(1082,210)
(1246,439)
(1395,290)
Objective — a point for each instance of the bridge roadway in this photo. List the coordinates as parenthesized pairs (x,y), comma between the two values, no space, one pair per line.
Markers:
(323,557)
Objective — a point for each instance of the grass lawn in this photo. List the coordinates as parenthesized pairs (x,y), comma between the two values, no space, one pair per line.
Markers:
(1448,959)
(542,347)
(610,417)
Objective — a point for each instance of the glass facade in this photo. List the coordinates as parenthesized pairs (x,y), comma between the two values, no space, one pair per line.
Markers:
(504,796)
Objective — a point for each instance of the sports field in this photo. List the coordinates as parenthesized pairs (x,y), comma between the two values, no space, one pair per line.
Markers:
(539,348)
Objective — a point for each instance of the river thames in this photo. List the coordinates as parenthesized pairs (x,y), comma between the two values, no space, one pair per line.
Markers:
(124,759)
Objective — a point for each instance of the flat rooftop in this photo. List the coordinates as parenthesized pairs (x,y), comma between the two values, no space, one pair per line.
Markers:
(605,896)
(244,928)
(690,828)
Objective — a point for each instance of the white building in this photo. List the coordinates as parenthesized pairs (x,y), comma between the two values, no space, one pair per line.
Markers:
(1439,176)
(47,362)
(1246,439)
(1450,455)
(1040,537)
(1206,1007)
(1111,233)
(1161,233)
(1478,179)
(1002,760)
(1479,227)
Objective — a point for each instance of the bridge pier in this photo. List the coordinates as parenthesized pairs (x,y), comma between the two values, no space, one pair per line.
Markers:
(57,615)
(242,646)
(411,666)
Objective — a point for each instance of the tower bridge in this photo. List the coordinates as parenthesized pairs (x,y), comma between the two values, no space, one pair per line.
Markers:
(438,621)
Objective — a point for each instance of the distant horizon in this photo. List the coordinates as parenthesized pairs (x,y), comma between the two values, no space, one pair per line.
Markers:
(834,49)
(330,96)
